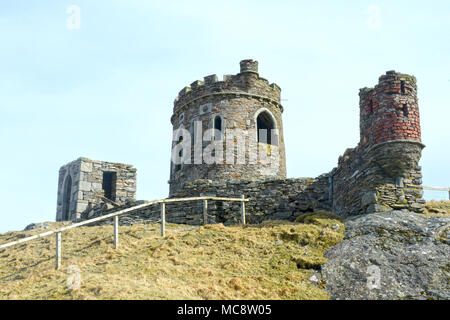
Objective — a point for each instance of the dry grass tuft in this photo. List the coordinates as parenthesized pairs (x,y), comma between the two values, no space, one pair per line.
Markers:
(271,260)
(437,208)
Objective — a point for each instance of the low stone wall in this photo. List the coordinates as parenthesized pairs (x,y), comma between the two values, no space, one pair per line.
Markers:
(269,199)
(277,199)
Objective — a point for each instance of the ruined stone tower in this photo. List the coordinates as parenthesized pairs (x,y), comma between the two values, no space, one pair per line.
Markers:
(382,172)
(237,108)
(82,181)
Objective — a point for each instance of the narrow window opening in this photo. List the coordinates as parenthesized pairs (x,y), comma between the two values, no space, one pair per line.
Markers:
(180,153)
(109,185)
(180,140)
(67,191)
(265,122)
(402,86)
(371,106)
(405,110)
(218,126)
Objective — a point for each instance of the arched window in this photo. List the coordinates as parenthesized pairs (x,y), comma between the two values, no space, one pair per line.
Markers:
(67,191)
(217,126)
(266,122)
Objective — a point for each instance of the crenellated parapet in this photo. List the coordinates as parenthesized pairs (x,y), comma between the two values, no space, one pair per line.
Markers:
(247,83)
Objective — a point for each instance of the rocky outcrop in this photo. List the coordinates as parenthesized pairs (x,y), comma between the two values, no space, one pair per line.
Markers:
(390,255)
(38,225)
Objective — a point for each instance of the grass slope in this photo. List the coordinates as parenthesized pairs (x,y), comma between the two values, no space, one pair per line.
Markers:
(437,208)
(272,260)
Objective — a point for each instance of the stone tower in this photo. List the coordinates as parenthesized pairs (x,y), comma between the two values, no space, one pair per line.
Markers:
(389,112)
(82,181)
(390,125)
(383,171)
(243,113)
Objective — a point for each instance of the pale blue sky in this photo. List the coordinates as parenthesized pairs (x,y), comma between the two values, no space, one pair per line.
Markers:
(106,91)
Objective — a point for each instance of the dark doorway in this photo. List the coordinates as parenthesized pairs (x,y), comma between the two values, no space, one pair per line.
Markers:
(67,191)
(265,122)
(109,185)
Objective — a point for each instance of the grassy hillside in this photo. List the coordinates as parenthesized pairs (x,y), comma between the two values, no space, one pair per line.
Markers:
(272,260)
(437,208)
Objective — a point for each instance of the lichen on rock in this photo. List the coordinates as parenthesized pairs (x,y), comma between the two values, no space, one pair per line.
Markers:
(404,248)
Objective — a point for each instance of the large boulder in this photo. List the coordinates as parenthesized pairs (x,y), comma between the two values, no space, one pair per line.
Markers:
(390,255)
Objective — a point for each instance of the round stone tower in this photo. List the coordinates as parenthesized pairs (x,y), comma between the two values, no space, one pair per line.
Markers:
(390,124)
(228,130)
(390,110)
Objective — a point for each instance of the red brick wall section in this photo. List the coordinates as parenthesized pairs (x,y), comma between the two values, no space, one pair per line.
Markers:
(390,110)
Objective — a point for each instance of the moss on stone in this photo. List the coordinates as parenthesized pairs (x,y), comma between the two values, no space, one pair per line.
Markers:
(409,78)
(320,217)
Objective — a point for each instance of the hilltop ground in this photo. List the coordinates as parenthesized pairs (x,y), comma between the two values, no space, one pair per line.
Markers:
(272,260)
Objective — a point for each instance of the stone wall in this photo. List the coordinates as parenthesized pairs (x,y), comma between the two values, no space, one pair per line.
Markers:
(269,199)
(68,187)
(274,199)
(81,181)
(362,184)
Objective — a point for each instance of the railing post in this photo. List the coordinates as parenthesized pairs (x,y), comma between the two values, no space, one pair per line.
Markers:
(205,212)
(449,194)
(243,209)
(163,219)
(116,231)
(58,250)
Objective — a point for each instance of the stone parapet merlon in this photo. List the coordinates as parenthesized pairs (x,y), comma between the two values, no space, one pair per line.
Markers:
(246,83)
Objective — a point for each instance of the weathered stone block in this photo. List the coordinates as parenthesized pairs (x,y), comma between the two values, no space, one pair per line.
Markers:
(85,186)
(86,166)
(369,198)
